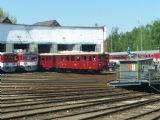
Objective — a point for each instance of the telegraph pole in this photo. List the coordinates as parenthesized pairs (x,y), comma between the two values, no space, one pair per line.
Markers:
(111,41)
(141,36)
(141,40)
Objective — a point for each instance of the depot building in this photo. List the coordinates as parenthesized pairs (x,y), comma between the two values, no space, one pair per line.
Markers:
(50,37)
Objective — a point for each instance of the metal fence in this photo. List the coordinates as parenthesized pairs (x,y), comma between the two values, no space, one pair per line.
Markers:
(150,76)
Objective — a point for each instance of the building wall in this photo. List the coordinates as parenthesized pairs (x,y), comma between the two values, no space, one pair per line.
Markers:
(27,34)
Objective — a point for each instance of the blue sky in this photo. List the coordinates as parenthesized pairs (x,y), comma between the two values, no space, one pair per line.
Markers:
(124,14)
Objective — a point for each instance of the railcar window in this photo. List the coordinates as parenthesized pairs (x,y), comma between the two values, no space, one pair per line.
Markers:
(1,57)
(42,58)
(77,58)
(99,58)
(62,59)
(72,58)
(33,57)
(26,57)
(94,58)
(8,58)
(46,58)
(67,58)
(83,58)
(107,60)
(49,58)
(90,58)
(15,57)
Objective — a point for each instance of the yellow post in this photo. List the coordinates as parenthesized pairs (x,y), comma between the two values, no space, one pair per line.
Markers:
(137,75)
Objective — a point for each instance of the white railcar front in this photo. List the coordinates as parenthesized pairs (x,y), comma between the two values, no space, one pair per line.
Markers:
(28,61)
(8,62)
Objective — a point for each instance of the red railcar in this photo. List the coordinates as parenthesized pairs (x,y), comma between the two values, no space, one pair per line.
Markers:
(77,61)
(156,58)
(47,61)
(117,56)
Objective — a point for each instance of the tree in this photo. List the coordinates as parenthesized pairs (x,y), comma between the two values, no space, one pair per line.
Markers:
(4,14)
(147,37)
(155,29)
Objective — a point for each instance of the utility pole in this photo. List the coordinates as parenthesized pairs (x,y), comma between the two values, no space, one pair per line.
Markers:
(111,42)
(141,40)
(141,35)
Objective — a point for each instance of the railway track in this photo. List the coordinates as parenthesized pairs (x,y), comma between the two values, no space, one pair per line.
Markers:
(66,96)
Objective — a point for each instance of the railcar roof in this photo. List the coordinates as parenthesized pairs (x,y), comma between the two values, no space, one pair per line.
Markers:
(132,60)
(4,53)
(27,53)
(135,52)
(73,53)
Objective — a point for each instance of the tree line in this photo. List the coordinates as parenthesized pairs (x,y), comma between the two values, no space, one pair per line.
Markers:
(146,37)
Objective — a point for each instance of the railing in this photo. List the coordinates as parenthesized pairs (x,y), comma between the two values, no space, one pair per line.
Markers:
(154,78)
(150,76)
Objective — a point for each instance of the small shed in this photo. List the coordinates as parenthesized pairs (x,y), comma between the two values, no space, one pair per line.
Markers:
(135,69)
(134,72)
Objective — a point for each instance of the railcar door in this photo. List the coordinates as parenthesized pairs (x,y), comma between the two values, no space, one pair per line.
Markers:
(103,60)
(49,61)
(42,61)
(67,62)
(46,62)
(72,62)
(77,64)
(92,62)
(60,61)
(84,62)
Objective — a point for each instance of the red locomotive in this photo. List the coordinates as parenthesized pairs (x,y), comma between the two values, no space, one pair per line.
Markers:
(75,61)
